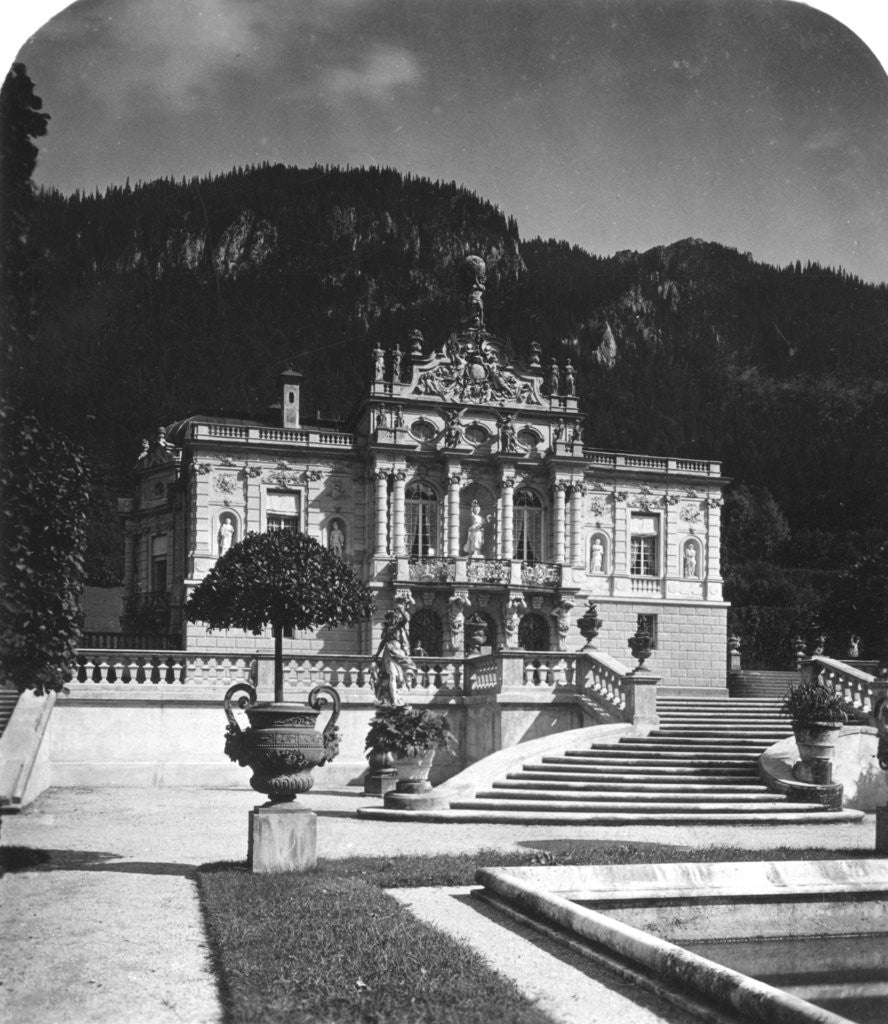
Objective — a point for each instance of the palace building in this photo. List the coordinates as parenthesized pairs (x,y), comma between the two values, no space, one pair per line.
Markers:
(464,492)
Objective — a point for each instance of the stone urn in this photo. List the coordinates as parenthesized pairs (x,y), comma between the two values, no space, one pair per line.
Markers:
(641,645)
(476,634)
(413,772)
(590,625)
(817,746)
(281,745)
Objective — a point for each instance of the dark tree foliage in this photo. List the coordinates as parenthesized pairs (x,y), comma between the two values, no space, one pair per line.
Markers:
(43,506)
(20,122)
(858,604)
(283,579)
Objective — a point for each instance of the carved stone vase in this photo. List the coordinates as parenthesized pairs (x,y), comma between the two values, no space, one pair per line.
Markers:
(817,746)
(281,745)
(413,772)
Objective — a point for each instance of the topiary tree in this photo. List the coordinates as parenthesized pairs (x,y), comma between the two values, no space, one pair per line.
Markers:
(44,493)
(282,579)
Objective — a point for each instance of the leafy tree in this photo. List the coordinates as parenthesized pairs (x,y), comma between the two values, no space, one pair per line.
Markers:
(284,579)
(20,123)
(43,506)
(858,604)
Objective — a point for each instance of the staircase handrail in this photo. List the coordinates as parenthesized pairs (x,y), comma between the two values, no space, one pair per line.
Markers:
(630,694)
(853,685)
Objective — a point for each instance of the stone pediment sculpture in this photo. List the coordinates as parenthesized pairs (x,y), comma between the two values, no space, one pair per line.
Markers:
(474,367)
(472,371)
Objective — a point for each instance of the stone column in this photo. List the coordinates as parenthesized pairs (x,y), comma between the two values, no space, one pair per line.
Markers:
(577,494)
(507,485)
(398,545)
(381,477)
(560,488)
(453,482)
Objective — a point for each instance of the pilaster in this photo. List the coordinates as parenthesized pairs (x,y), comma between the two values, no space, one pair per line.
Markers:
(560,489)
(398,545)
(577,494)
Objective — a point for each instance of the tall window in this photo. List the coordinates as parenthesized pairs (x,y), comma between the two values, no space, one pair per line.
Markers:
(648,624)
(158,564)
(527,519)
(282,511)
(644,548)
(421,520)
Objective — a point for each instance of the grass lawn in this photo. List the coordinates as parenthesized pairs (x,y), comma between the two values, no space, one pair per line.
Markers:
(331,947)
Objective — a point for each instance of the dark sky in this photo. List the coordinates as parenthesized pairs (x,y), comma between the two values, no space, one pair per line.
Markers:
(614,124)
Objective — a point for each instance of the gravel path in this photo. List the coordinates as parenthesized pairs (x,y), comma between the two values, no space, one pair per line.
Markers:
(107,928)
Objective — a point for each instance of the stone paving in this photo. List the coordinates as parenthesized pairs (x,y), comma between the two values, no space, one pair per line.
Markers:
(108,928)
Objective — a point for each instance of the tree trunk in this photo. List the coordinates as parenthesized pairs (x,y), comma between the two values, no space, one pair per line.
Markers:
(278,663)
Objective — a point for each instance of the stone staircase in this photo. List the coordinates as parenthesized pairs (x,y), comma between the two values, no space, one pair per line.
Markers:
(699,767)
(8,701)
(761,684)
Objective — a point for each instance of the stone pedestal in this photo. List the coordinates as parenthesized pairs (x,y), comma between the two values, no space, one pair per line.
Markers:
(283,837)
(381,777)
(882,830)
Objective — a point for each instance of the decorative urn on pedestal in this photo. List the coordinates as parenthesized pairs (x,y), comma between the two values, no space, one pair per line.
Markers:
(590,625)
(411,736)
(281,744)
(641,645)
(818,714)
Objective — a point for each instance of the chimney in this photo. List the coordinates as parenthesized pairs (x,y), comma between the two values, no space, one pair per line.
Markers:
(291,381)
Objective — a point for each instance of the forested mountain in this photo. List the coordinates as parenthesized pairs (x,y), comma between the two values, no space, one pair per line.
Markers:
(155,301)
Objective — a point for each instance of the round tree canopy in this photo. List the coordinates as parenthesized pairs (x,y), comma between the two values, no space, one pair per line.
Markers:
(284,579)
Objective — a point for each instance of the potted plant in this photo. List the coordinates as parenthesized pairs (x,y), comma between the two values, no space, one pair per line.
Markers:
(412,736)
(818,714)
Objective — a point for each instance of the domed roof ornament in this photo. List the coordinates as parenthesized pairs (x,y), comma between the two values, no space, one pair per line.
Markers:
(472,275)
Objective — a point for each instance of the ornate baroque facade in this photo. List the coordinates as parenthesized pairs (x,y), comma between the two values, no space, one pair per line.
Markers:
(462,490)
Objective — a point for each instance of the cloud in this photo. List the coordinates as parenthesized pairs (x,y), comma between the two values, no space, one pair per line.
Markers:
(380,74)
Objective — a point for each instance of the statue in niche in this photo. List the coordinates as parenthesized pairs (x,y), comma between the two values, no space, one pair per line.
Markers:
(475,536)
(690,561)
(393,655)
(382,417)
(225,536)
(570,379)
(336,539)
(508,440)
(473,273)
(453,431)
(379,363)
(399,416)
(578,432)
(397,356)
(597,555)
(554,378)
(558,431)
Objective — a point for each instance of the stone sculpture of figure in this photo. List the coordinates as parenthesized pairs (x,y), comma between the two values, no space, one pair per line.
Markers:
(597,555)
(382,416)
(854,646)
(475,535)
(535,353)
(337,539)
(558,431)
(570,379)
(146,447)
(393,655)
(690,561)
(508,440)
(554,378)
(578,432)
(473,272)
(453,431)
(225,536)
(399,415)
(379,363)
(397,356)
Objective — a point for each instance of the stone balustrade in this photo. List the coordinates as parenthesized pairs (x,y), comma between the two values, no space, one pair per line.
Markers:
(852,684)
(126,667)
(300,437)
(631,695)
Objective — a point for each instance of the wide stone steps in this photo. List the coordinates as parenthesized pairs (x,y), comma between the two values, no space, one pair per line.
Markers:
(660,807)
(699,766)
(502,791)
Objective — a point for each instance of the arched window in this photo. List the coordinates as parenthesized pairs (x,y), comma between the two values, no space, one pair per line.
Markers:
(421,514)
(527,518)
(533,632)
(425,633)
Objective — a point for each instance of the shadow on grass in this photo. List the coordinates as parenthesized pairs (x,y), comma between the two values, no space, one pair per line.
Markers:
(15,859)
